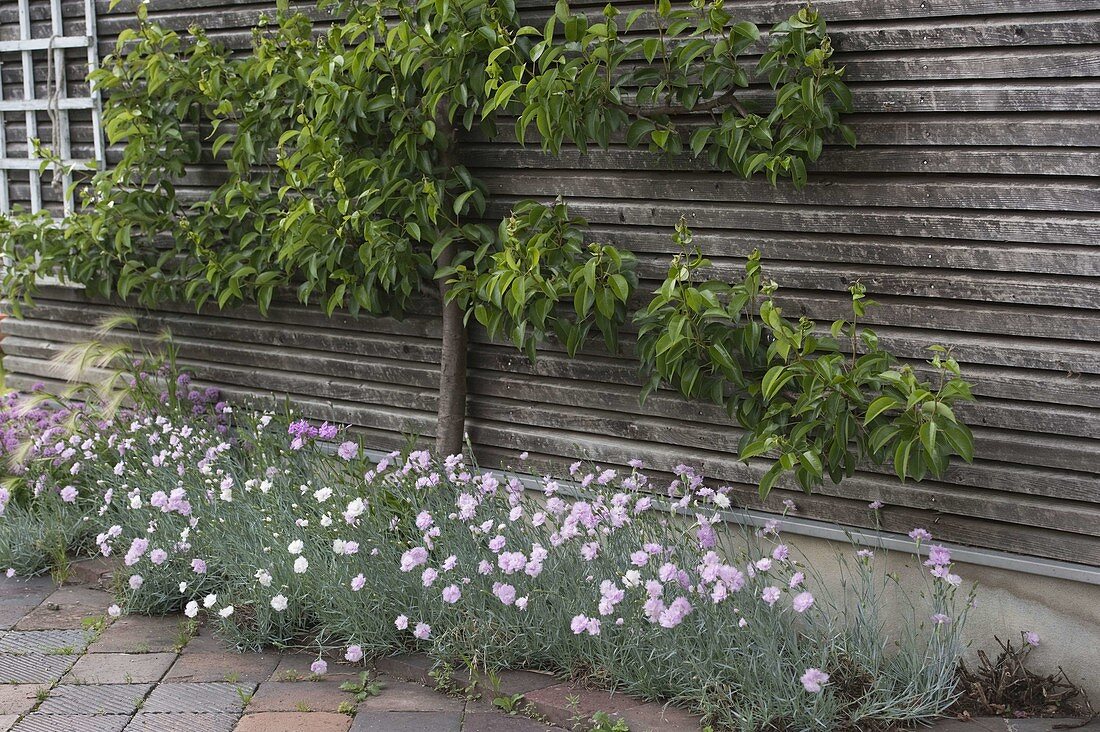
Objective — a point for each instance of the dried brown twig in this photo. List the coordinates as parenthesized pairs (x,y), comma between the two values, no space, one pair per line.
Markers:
(1006,687)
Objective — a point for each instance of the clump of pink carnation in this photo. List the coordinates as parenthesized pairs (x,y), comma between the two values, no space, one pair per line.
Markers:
(802,602)
(814,679)
(413,558)
(584,624)
(504,592)
(938,556)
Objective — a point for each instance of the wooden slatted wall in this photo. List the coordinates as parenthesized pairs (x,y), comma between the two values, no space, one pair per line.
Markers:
(969,211)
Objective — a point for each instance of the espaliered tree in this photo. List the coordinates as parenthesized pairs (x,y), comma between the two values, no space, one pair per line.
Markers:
(337,170)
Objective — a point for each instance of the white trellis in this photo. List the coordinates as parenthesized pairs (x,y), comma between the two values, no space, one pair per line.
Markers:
(58,104)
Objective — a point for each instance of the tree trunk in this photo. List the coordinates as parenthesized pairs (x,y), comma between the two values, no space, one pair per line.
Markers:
(450,431)
(451,407)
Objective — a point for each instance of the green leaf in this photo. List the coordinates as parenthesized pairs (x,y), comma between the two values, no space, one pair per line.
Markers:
(928,436)
(960,439)
(774,380)
(812,462)
(753,449)
(638,130)
(879,406)
(901,459)
(620,287)
(767,482)
(700,138)
(460,201)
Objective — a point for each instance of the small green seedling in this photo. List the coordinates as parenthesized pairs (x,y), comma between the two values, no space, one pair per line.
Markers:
(603,722)
(363,688)
(508,704)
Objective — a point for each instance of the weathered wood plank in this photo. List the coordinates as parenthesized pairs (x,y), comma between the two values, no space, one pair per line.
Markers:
(1052,95)
(627,181)
(773,11)
(994,63)
(867,32)
(1023,289)
(1034,322)
(1046,129)
(834,160)
(968,349)
(395,373)
(396,350)
(911,252)
(981,226)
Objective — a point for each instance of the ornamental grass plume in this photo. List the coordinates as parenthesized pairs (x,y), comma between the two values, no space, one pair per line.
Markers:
(279,535)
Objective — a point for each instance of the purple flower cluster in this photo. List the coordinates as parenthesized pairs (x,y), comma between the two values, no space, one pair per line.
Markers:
(303,432)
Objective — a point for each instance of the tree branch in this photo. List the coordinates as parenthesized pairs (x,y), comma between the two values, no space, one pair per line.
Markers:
(729,99)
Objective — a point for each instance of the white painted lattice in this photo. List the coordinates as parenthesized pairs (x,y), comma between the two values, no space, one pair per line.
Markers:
(57,103)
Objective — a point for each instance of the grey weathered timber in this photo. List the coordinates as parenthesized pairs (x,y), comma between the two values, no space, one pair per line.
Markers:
(970,210)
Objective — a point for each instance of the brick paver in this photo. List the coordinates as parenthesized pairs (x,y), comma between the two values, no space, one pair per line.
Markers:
(33,668)
(18,698)
(66,608)
(74,723)
(563,703)
(94,699)
(293,722)
(296,696)
(139,634)
(407,722)
(119,668)
(295,667)
(183,722)
(408,696)
(222,666)
(20,600)
(200,698)
(61,670)
(48,642)
(497,722)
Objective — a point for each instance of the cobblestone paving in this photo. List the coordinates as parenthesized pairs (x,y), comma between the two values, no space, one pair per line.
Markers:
(63,670)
